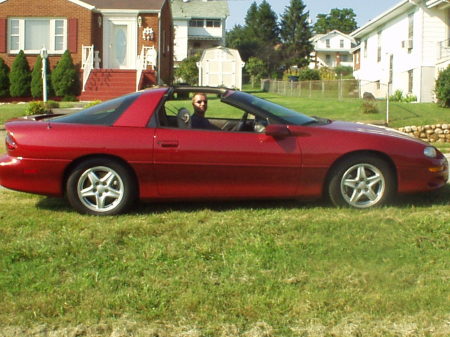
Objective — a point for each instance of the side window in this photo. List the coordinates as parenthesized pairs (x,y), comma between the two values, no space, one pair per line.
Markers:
(178,112)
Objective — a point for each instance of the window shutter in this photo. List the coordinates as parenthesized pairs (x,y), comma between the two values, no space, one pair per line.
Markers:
(3,35)
(72,35)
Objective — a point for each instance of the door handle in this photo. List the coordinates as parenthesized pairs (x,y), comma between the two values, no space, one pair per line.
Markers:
(168,143)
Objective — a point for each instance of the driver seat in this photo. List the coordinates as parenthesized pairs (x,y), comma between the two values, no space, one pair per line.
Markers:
(183,118)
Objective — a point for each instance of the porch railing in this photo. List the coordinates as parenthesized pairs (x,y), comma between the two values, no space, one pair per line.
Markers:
(145,59)
(444,49)
(87,63)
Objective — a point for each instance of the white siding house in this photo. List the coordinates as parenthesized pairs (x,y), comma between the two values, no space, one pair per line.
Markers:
(198,25)
(331,50)
(404,48)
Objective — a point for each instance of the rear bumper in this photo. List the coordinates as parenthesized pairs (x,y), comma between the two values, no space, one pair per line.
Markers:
(32,175)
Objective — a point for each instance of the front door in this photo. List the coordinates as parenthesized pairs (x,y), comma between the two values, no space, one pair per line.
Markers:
(120,43)
(203,163)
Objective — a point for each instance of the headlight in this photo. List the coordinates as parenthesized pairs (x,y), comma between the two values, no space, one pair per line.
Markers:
(430,152)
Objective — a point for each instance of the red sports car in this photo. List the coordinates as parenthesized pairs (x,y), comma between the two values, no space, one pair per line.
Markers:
(143,146)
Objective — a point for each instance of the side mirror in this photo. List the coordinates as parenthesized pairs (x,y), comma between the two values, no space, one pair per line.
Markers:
(278,131)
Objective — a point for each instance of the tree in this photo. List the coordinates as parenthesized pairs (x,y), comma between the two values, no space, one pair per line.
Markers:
(20,77)
(64,77)
(188,71)
(295,34)
(4,79)
(256,69)
(239,38)
(443,88)
(36,78)
(342,20)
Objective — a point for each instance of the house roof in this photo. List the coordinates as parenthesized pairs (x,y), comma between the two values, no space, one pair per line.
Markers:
(333,32)
(182,9)
(128,4)
(384,17)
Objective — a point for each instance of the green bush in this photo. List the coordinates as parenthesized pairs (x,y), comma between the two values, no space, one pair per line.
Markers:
(36,79)
(36,108)
(369,106)
(344,71)
(4,79)
(64,77)
(20,77)
(52,104)
(92,103)
(187,70)
(306,74)
(398,97)
(443,88)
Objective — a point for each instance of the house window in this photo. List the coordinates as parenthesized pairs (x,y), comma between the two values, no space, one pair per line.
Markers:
(328,59)
(379,47)
(410,31)
(32,34)
(196,23)
(327,41)
(341,43)
(213,23)
(410,81)
(365,48)
(344,58)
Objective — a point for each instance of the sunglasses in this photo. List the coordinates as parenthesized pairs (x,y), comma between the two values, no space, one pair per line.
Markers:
(200,102)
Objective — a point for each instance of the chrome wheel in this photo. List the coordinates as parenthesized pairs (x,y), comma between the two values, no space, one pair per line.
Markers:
(363,185)
(100,188)
(362,181)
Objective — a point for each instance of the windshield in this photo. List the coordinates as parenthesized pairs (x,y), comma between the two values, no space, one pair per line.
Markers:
(271,110)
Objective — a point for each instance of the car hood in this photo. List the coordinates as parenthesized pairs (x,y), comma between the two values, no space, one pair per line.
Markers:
(369,129)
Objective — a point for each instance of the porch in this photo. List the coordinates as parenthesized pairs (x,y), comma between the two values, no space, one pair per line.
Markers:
(105,83)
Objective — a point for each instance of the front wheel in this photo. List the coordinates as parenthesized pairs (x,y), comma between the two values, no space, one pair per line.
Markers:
(361,182)
(100,187)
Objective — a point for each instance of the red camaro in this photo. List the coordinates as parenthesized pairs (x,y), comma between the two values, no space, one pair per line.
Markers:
(143,146)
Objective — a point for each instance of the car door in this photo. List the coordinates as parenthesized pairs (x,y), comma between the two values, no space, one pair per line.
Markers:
(209,163)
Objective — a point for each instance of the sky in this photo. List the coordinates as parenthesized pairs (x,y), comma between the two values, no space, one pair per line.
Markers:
(365,10)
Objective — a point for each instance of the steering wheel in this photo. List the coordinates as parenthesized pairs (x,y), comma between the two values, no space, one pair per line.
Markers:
(241,124)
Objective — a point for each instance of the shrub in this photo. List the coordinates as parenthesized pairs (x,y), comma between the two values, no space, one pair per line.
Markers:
(4,79)
(64,77)
(327,73)
(69,98)
(344,71)
(52,104)
(187,70)
(92,103)
(36,108)
(443,88)
(307,74)
(36,79)
(256,68)
(397,96)
(20,77)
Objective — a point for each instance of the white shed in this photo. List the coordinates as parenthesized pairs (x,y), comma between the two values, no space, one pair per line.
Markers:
(220,66)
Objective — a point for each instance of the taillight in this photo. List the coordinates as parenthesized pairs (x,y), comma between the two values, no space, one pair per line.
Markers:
(10,142)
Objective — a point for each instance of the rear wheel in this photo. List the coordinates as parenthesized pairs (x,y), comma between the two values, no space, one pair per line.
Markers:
(100,187)
(361,182)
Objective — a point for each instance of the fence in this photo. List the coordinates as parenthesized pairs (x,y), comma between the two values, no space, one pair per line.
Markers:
(337,89)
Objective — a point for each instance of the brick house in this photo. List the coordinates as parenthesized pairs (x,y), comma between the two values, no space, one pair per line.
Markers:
(118,46)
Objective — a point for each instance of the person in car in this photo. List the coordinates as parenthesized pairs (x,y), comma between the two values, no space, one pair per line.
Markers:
(198,119)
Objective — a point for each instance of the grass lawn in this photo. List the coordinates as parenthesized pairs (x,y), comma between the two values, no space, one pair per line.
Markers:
(250,269)
(254,268)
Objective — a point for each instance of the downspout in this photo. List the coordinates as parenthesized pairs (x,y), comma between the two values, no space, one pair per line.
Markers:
(158,76)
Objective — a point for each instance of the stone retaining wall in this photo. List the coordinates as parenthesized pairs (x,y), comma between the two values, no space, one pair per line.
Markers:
(438,133)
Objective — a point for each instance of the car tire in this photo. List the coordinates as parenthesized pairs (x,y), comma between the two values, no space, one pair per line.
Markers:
(100,186)
(361,182)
